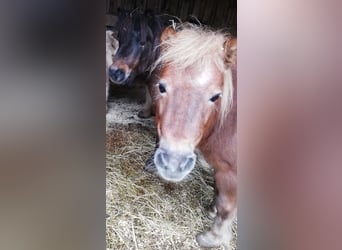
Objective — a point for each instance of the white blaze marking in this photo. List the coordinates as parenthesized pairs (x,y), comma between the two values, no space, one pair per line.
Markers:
(203,78)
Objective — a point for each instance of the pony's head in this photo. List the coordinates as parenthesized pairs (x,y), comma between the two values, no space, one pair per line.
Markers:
(193,95)
(135,44)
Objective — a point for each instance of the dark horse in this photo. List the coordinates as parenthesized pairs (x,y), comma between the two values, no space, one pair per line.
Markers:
(196,109)
(139,36)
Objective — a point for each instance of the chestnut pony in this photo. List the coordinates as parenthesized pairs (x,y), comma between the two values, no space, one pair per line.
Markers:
(196,109)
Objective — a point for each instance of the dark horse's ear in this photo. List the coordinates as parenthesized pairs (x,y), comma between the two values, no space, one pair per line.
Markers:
(230,51)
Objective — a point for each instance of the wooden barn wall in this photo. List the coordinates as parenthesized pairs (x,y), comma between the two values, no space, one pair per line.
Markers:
(219,14)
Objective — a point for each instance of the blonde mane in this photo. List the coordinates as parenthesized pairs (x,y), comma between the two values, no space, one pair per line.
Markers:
(199,46)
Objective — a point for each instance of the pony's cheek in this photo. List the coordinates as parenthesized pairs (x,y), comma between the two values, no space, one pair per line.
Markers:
(208,114)
(198,139)
(209,118)
(158,129)
(159,115)
(159,107)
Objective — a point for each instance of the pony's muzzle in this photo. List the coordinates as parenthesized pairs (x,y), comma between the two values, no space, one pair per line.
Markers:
(117,75)
(174,166)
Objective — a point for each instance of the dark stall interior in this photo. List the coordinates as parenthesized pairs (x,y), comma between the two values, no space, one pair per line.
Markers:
(218,14)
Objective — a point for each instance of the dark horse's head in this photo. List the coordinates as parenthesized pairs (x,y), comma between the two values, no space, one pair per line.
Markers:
(136,42)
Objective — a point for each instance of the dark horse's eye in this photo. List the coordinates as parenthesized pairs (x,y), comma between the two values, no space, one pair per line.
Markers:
(215,97)
(162,88)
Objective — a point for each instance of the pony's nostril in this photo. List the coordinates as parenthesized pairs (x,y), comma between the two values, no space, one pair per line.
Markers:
(117,75)
(120,75)
(188,163)
(165,158)
(162,159)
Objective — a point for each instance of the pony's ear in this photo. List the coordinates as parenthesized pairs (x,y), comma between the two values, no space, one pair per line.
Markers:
(230,51)
(167,33)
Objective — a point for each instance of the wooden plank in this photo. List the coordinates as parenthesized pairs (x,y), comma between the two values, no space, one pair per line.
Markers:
(160,4)
(207,11)
(219,13)
(137,4)
(124,4)
(183,10)
(152,4)
(165,7)
(173,7)
(213,13)
(111,20)
(196,8)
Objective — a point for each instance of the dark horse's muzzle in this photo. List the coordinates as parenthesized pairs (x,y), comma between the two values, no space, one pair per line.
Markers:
(174,166)
(117,75)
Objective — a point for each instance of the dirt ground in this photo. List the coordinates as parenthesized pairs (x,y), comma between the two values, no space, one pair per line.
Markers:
(143,211)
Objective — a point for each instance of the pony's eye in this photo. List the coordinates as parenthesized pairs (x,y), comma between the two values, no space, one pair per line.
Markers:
(162,88)
(215,97)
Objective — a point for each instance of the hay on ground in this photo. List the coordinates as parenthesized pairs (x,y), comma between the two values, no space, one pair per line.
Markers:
(143,212)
